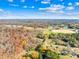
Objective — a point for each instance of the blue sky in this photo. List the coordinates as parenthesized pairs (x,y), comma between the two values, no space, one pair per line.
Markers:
(39,9)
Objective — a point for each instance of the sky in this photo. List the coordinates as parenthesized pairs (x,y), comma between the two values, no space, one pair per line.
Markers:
(39,9)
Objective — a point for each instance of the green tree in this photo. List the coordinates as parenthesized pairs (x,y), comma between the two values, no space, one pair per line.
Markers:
(52,55)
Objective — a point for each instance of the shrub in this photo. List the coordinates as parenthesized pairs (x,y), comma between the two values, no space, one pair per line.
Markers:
(35,54)
(64,52)
(52,55)
(40,35)
(78,55)
(74,54)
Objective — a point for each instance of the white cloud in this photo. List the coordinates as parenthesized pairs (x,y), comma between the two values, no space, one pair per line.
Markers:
(1,10)
(73,13)
(15,5)
(24,6)
(58,7)
(70,8)
(45,1)
(53,8)
(77,3)
(69,3)
(10,0)
(28,6)
(32,7)
(42,8)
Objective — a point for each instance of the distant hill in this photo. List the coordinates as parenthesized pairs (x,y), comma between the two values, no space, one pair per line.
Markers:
(23,21)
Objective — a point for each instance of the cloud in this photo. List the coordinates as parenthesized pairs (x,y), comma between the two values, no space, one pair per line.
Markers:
(58,11)
(73,13)
(33,7)
(15,5)
(77,3)
(45,1)
(70,8)
(28,6)
(4,12)
(10,0)
(54,8)
(1,10)
(24,6)
(58,7)
(69,3)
